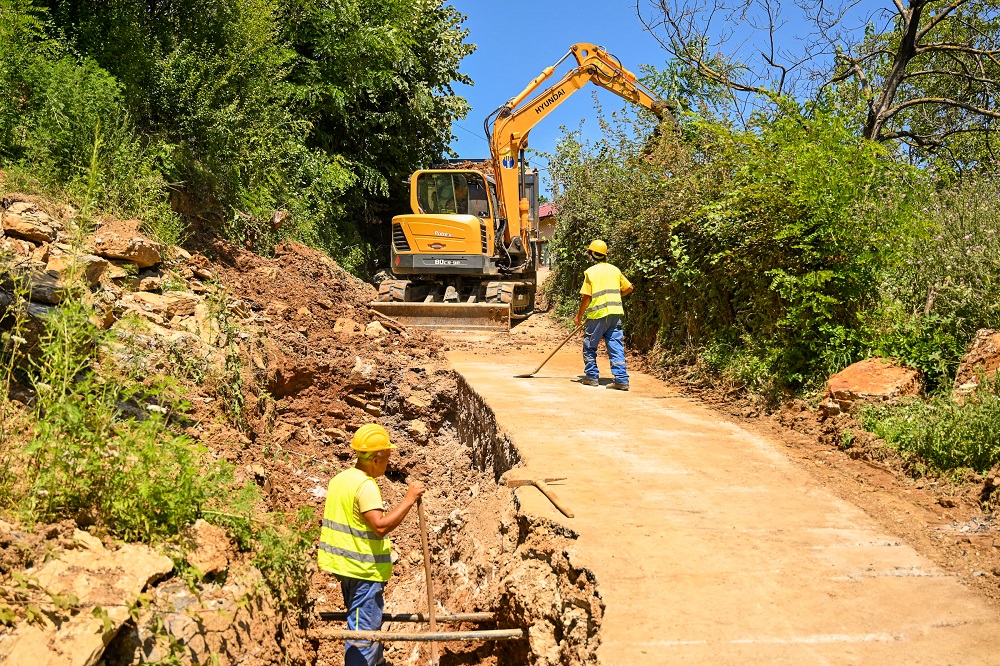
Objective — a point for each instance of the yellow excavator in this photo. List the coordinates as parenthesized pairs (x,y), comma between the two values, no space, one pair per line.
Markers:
(466,257)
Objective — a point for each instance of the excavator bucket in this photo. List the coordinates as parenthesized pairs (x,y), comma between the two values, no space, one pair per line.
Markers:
(448,316)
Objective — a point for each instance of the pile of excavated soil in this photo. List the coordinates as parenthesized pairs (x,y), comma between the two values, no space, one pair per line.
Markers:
(282,360)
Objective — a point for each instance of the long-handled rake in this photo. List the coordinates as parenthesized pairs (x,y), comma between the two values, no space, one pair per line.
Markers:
(553,353)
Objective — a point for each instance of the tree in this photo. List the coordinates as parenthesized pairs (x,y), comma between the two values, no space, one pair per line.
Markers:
(314,107)
(375,79)
(925,72)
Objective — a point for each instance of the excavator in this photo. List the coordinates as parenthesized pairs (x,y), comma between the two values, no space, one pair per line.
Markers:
(466,256)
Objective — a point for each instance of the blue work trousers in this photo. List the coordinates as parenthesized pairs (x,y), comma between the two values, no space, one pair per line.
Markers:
(608,329)
(364,602)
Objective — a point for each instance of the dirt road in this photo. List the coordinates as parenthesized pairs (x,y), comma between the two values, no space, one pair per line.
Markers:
(709,544)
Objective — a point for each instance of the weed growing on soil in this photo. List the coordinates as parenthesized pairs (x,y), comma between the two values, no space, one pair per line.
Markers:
(942,435)
(100,447)
(229,386)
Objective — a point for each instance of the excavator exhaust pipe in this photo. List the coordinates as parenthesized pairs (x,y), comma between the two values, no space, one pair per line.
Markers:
(449,316)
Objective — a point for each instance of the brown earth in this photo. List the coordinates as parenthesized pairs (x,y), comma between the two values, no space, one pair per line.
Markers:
(306,364)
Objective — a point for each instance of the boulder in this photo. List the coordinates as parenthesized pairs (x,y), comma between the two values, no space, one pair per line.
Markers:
(871,380)
(88,266)
(45,287)
(224,624)
(35,315)
(29,222)
(212,548)
(134,247)
(375,330)
(983,359)
(166,305)
(96,577)
(17,247)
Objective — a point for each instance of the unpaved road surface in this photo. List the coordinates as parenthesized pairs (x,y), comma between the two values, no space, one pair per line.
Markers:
(710,545)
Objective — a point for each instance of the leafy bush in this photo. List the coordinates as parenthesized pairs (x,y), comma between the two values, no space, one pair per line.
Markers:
(945,286)
(765,246)
(942,434)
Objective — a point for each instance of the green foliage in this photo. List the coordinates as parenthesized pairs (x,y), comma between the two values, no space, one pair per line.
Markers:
(941,434)
(65,125)
(102,447)
(763,246)
(246,107)
(284,555)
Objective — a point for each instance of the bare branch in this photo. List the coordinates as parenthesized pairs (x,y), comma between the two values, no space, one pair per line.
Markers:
(940,16)
(944,101)
(944,72)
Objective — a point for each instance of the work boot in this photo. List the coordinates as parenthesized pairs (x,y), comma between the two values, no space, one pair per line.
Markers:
(618,387)
(586,381)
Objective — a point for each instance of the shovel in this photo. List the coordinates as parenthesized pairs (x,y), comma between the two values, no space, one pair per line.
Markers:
(553,353)
(542,484)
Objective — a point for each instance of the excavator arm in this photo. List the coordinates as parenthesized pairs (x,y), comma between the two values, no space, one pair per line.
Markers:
(514,120)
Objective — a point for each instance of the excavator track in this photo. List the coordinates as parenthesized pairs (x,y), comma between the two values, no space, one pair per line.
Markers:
(488,306)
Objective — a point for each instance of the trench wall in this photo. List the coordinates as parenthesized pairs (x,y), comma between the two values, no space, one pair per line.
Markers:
(492,448)
(539,586)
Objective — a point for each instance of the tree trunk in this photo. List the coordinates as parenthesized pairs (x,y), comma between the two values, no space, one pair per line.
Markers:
(904,54)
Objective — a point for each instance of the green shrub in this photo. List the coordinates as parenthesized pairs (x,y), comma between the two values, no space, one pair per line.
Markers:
(764,247)
(65,126)
(101,445)
(940,434)
(945,285)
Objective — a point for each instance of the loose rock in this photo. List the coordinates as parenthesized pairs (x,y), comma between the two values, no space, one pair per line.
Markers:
(874,379)
(134,247)
(29,222)
(983,359)
(212,548)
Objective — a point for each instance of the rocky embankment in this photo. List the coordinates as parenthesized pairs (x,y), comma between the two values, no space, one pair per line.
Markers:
(280,360)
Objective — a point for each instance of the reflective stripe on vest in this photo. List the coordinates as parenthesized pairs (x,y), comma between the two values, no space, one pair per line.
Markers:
(606,298)
(348,547)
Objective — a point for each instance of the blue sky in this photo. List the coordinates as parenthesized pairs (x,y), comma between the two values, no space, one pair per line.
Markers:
(517,39)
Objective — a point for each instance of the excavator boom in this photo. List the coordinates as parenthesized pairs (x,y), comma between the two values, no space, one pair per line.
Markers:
(515,119)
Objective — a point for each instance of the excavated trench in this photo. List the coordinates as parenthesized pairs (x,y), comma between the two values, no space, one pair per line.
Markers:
(487,553)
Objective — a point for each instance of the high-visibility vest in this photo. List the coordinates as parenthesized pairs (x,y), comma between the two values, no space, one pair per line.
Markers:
(606,291)
(347,545)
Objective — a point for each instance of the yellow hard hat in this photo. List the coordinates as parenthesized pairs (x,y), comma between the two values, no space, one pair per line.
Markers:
(371,437)
(598,247)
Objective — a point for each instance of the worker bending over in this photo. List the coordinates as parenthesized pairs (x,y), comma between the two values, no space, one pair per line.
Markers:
(353,542)
(601,306)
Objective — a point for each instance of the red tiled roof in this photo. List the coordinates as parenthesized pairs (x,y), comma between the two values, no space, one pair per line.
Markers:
(547,210)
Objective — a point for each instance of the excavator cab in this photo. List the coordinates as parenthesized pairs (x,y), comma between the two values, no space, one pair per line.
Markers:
(452,226)
(445,257)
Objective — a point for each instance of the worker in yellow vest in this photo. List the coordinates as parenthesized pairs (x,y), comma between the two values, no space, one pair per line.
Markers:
(601,307)
(353,543)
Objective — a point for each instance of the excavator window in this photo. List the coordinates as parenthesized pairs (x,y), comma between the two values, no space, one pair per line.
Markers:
(451,193)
